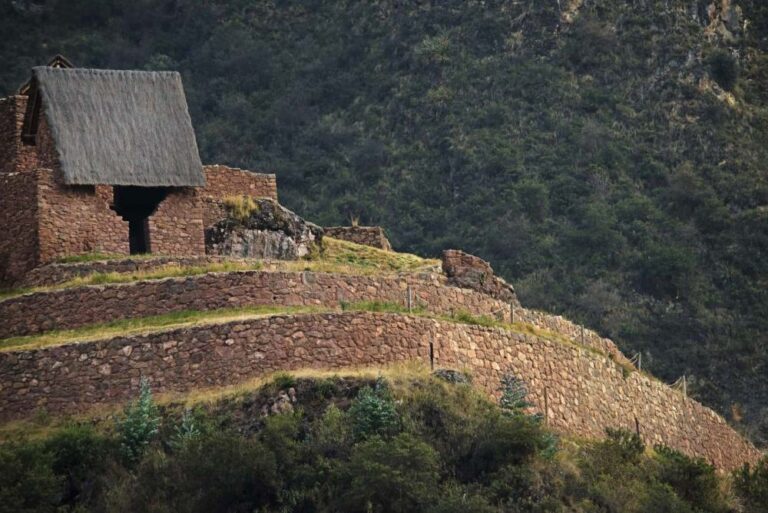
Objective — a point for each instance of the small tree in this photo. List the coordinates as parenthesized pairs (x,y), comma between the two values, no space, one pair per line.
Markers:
(514,395)
(139,425)
(374,412)
(187,429)
(514,403)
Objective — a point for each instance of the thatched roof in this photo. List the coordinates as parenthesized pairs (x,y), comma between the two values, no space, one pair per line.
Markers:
(120,127)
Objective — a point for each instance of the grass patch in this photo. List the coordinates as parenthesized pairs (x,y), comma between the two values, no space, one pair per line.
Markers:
(343,256)
(6,293)
(240,207)
(166,271)
(340,257)
(380,306)
(94,257)
(147,325)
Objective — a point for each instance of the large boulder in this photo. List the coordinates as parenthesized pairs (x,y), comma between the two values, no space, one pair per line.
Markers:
(262,228)
(471,272)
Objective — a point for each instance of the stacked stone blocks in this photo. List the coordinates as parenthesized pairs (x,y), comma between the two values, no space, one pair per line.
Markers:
(579,392)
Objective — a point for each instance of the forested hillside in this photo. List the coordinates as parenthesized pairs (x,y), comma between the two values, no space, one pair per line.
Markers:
(607,156)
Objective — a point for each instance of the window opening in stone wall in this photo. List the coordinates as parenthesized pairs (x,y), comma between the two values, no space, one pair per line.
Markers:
(135,205)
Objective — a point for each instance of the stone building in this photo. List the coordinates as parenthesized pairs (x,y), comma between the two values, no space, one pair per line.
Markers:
(105,161)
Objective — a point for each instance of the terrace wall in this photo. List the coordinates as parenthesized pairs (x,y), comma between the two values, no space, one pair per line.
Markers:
(75,307)
(579,392)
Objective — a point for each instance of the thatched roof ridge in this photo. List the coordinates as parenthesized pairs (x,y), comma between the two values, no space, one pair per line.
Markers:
(120,127)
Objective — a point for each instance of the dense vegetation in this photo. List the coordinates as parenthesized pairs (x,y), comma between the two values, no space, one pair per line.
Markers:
(355,445)
(608,158)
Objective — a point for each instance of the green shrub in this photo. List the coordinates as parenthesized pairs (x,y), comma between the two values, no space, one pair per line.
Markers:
(220,473)
(693,479)
(27,481)
(330,435)
(373,412)
(502,441)
(139,425)
(283,380)
(189,428)
(80,457)
(446,417)
(628,446)
(395,476)
(281,433)
(752,486)
(724,69)
(660,498)
(460,500)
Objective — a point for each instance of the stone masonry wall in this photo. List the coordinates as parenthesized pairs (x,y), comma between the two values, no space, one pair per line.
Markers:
(75,307)
(223,181)
(18,225)
(373,236)
(14,156)
(76,219)
(176,227)
(581,393)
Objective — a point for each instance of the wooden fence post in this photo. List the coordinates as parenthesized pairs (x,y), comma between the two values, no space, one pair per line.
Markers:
(410,299)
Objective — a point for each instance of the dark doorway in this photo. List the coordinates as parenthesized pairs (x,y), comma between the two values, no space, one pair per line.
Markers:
(135,205)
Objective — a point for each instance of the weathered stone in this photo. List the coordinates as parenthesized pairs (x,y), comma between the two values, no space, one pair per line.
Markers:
(270,232)
(471,272)
(452,376)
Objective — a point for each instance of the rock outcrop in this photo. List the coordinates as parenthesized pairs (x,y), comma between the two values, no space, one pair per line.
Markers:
(265,230)
(471,272)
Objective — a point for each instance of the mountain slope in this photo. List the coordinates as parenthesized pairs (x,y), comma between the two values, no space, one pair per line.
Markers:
(607,157)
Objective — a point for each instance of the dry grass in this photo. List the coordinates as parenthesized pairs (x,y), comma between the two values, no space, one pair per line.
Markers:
(344,257)
(146,325)
(166,271)
(397,374)
(339,257)
(240,208)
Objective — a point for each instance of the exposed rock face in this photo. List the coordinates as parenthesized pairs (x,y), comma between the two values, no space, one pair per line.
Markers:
(271,232)
(471,272)
(452,376)
(724,20)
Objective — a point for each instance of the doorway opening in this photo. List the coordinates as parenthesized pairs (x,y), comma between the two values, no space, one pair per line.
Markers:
(135,205)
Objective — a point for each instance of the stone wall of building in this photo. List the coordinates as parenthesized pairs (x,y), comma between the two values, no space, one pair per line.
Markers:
(77,219)
(223,181)
(176,227)
(580,392)
(367,235)
(18,225)
(72,220)
(14,155)
(76,307)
